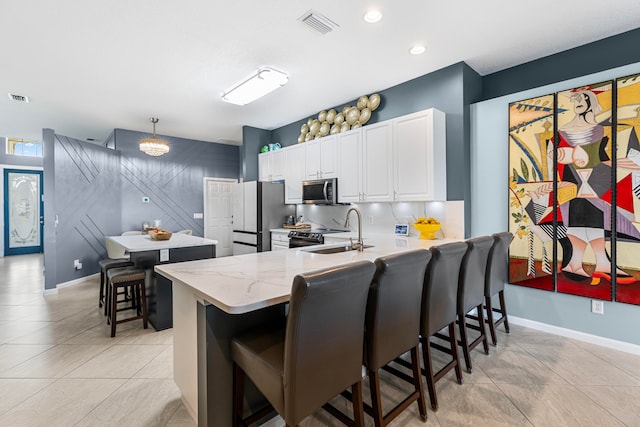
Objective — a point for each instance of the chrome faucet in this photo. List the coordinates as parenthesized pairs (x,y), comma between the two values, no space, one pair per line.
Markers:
(359,245)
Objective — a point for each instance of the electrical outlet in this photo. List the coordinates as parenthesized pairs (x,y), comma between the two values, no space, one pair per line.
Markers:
(370,219)
(77,264)
(597,306)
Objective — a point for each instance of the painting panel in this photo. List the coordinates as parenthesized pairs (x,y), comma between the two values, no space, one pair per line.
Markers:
(531,175)
(584,167)
(627,278)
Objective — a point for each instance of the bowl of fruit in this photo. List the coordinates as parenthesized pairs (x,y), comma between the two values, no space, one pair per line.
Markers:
(157,234)
(427,227)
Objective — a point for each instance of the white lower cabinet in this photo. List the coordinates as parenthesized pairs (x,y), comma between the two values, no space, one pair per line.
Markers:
(279,240)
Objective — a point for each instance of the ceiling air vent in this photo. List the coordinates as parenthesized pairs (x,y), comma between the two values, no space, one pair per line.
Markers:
(318,22)
(18,98)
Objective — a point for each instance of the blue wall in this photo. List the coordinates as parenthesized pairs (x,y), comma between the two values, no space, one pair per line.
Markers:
(489,202)
(98,192)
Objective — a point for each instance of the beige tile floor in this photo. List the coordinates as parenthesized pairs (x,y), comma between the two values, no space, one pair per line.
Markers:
(59,367)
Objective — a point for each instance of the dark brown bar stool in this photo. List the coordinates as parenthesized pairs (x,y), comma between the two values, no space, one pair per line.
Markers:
(497,275)
(439,303)
(471,294)
(117,259)
(123,278)
(302,366)
(392,328)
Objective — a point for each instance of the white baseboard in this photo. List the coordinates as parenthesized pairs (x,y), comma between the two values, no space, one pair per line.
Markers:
(70,283)
(581,336)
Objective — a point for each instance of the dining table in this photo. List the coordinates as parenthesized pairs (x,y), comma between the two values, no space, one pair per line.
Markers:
(146,253)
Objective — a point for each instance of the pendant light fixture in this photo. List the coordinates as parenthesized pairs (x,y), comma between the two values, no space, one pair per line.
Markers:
(154,146)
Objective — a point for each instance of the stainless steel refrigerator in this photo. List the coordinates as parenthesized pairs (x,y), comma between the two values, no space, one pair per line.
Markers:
(257,207)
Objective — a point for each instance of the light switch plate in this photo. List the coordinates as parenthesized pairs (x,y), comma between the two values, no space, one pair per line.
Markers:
(164,255)
(198,215)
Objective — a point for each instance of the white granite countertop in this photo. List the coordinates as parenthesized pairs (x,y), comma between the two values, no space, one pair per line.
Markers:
(144,243)
(245,283)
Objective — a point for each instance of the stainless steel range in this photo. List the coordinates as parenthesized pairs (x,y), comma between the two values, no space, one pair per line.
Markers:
(300,238)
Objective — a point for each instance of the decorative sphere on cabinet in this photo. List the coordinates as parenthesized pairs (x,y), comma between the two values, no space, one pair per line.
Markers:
(308,137)
(339,119)
(309,121)
(304,128)
(331,115)
(346,109)
(353,115)
(335,129)
(322,116)
(356,125)
(301,138)
(374,102)
(314,127)
(325,127)
(344,127)
(362,102)
(365,115)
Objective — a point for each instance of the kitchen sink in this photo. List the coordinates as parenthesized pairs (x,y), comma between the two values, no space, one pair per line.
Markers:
(334,249)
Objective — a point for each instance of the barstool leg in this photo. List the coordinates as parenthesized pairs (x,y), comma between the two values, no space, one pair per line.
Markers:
(417,378)
(113,311)
(503,308)
(426,357)
(464,341)
(492,328)
(376,401)
(454,350)
(101,297)
(483,330)
(143,303)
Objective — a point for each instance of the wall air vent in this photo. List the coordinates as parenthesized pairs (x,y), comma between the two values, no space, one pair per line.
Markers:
(318,22)
(19,98)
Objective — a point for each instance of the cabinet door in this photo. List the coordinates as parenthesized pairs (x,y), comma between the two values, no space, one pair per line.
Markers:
(329,157)
(419,157)
(237,201)
(264,167)
(294,163)
(377,155)
(277,165)
(349,167)
(312,159)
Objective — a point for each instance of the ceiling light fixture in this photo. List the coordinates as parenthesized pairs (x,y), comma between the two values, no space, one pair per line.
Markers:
(257,85)
(372,16)
(417,50)
(154,146)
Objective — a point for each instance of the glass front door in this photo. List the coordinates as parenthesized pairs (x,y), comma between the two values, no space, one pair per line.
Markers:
(23,211)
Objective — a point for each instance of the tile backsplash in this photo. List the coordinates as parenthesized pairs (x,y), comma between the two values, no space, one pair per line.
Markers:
(381,217)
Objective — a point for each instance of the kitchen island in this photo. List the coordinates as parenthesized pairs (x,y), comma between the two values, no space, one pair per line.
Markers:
(145,253)
(215,299)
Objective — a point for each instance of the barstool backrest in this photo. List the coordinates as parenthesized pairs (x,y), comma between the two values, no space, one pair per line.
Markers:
(472,273)
(440,292)
(324,336)
(114,250)
(393,309)
(498,264)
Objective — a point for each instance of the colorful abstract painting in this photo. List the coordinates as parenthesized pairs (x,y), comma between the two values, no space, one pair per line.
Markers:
(530,192)
(584,162)
(628,190)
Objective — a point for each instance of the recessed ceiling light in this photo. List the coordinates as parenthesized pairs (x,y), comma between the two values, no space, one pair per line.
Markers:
(417,50)
(372,16)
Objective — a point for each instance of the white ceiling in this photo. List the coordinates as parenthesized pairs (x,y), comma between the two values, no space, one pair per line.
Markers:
(91,66)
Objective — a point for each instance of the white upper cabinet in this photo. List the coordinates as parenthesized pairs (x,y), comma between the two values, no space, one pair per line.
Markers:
(377,153)
(419,156)
(321,159)
(350,166)
(294,165)
(271,166)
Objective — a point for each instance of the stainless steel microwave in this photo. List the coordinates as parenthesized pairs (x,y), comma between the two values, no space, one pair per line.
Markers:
(320,192)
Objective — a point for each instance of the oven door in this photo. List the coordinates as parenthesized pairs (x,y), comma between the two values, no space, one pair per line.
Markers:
(295,242)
